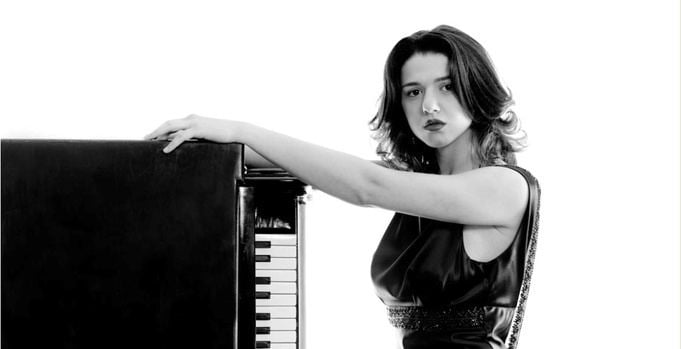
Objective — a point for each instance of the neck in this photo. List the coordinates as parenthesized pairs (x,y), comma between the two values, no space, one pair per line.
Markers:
(457,157)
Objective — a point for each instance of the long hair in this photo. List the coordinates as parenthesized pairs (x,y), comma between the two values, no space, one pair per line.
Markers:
(496,128)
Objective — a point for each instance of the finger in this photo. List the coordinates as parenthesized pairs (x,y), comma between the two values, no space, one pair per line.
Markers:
(155,135)
(180,137)
(165,129)
(168,127)
(162,138)
(170,136)
(172,145)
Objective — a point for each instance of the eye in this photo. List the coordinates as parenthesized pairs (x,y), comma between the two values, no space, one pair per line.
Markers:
(413,93)
(447,87)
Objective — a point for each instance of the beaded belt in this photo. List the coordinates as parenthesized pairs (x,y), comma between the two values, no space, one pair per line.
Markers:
(435,319)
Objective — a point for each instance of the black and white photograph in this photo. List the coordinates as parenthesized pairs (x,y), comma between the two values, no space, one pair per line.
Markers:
(308,174)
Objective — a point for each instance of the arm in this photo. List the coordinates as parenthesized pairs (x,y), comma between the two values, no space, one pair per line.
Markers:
(486,196)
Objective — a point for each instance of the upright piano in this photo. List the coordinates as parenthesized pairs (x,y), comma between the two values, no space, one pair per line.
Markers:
(114,244)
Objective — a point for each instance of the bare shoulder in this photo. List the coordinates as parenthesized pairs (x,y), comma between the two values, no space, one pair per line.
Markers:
(501,176)
(506,185)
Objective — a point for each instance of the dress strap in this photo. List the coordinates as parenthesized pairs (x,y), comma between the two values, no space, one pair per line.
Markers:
(532,228)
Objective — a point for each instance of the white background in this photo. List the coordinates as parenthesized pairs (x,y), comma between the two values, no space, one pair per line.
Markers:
(596,85)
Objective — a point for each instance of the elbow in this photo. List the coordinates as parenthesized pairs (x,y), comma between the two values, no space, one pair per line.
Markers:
(355,196)
(359,189)
(362,199)
(366,193)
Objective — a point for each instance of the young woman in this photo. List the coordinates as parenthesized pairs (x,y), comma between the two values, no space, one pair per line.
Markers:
(453,266)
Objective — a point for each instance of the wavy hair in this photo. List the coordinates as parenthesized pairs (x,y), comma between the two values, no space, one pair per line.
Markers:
(497,131)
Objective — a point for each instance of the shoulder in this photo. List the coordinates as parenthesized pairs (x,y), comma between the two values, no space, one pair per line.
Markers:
(521,171)
(501,175)
(508,175)
(508,186)
(528,178)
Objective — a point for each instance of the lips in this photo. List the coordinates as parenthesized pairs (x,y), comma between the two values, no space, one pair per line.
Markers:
(433,125)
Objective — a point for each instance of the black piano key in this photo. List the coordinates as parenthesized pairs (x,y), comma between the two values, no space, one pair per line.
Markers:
(262,330)
(262,295)
(262,316)
(262,344)
(262,280)
(262,258)
(263,244)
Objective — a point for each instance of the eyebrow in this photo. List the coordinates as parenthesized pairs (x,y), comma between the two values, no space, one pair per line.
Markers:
(444,78)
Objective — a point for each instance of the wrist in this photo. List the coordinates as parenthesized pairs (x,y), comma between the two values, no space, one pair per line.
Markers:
(242,132)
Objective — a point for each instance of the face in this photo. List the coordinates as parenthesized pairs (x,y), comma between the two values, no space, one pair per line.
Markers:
(433,111)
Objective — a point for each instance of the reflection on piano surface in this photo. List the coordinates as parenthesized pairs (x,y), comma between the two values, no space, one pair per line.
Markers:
(110,244)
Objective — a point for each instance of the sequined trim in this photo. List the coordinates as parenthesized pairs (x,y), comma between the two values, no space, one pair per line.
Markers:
(435,319)
(512,339)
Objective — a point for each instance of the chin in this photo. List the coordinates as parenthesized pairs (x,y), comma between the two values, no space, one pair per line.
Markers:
(436,142)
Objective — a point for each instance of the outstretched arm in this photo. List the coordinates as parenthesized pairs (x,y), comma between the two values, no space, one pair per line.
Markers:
(486,196)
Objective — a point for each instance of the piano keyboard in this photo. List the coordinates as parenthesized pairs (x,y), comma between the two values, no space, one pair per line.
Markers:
(276,291)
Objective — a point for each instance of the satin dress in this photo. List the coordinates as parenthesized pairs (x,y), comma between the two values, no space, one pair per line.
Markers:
(437,297)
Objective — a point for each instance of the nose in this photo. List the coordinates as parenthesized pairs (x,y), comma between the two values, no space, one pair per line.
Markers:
(430,103)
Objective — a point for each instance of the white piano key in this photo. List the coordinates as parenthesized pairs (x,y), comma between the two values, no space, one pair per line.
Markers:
(278,324)
(278,287)
(278,251)
(278,336)
(283,346)
(278,263)
(277,275)
(278,299)
(278,312)
(278,239)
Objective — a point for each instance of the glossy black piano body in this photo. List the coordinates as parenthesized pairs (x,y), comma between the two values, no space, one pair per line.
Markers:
(113,244)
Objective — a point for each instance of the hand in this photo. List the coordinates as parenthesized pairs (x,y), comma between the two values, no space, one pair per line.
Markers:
(194,126)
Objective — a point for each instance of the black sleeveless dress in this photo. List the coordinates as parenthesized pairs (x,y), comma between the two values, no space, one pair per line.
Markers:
(438,297)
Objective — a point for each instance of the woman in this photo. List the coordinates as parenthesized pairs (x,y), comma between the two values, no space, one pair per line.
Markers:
(453,266)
